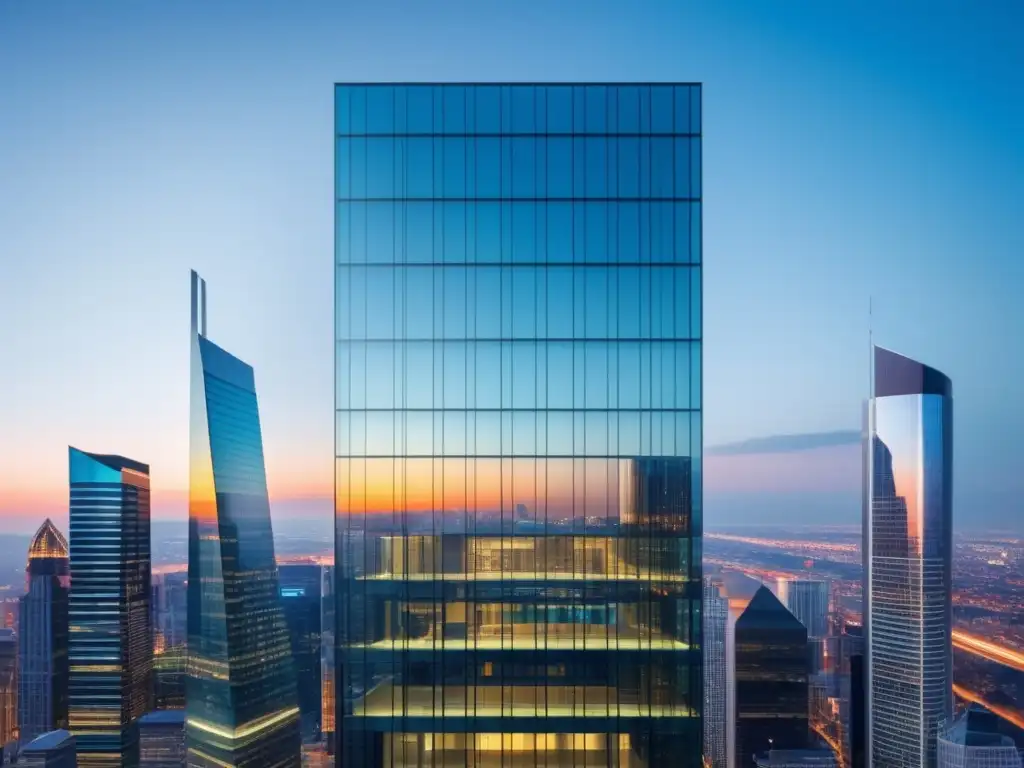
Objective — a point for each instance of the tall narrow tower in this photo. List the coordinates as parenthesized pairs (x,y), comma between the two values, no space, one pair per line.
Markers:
(43,637)
(241,701)
(111,640)
(907,560)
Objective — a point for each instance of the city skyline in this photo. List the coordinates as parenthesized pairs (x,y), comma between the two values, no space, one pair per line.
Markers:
(827,192)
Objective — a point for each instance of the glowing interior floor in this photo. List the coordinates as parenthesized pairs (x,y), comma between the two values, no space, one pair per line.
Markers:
(387,700)
(623,575)
(581,642)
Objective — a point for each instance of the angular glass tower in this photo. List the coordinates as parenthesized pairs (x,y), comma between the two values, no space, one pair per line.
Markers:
(111,640)
(908,525)
(240,695)
(772,670)
(518,432)
(43,636)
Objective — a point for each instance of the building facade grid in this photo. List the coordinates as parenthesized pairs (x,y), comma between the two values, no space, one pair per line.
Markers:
(518,432)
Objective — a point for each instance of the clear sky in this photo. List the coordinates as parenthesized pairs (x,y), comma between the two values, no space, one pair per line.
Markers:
(850,150)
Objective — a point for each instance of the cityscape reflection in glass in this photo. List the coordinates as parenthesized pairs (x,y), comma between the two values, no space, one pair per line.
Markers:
(518,431)
(908,560)
(240,695)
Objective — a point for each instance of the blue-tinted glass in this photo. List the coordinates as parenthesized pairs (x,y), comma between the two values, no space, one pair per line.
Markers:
(342,228)
(524,375)
(357,111)
(695,303)
(454,167)
(628,109)
(357,167)
(695,167)
(597,231)
(419,302)
(523,118)
(488,232)
(695,109)
(682,232)
(455,381)
(419,171)
(597,109)
(662,109)
(524,302)
(380,233)
(419,108)
(454,108)
(419,370)
(488,109)
(488,167)
(454,231)
(682,108)
(560,232)
(559,302)
(628,302)
(695,234)
(662,229)
(488,302)
(419,232)
(524,162)
(559,109)
(596,166)
(454,302)
(342,98)
(681,302)
(662,168)
(524,232)
(628,220)
(342,167)
(380,301)
(380,110)
(682,167)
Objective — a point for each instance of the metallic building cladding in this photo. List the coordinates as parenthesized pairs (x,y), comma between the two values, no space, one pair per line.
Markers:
(518,433)
(110,641)
(43,637)
(241,701)
(908,561)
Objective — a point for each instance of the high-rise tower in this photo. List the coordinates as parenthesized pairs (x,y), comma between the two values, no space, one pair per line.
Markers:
(908,560)
(240,696)
(518,428)
(43,636)
(772,671)
(111,642)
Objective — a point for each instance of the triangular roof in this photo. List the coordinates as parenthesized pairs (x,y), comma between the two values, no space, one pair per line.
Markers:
(765,610)
(48,542)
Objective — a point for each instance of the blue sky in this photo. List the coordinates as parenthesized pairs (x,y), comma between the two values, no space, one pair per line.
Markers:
(850,150)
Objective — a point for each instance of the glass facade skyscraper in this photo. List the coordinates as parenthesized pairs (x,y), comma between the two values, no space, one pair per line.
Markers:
(518,432)
(43,636)
(300,599)
(715,621)
(908,560)
(240,694)
(111,640)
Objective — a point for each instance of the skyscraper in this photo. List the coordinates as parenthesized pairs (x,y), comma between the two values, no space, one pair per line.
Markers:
(518,432)
(974,741)
(8,686)
(43,639)
(771,679)
(241,701)
(716,619)
(908,553)
(807,599)
(162,739)
(328,672)
(300,599)
(111,642)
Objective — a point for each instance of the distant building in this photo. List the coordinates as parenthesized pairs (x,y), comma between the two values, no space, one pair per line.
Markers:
(974,741)
(807,599)
(240,692)
(55,749)
(851,695)
(738,590)
(169,672)
(43,639)
(327,670)
(111,641)
(300,600)
(908,475)
(796,758)
(771,679)
(8,686)
(716,616)
(162,739)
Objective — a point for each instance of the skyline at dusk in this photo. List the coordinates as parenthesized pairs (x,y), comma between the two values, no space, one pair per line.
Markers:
(849,153)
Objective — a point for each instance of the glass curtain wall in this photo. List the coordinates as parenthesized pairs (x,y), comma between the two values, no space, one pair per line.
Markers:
(518,434)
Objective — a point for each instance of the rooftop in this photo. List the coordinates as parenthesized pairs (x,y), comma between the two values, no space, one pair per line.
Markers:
(47,741)
(48,542)
(164,717)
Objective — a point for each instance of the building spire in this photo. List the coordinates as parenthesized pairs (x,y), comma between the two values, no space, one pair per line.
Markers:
(198,304)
